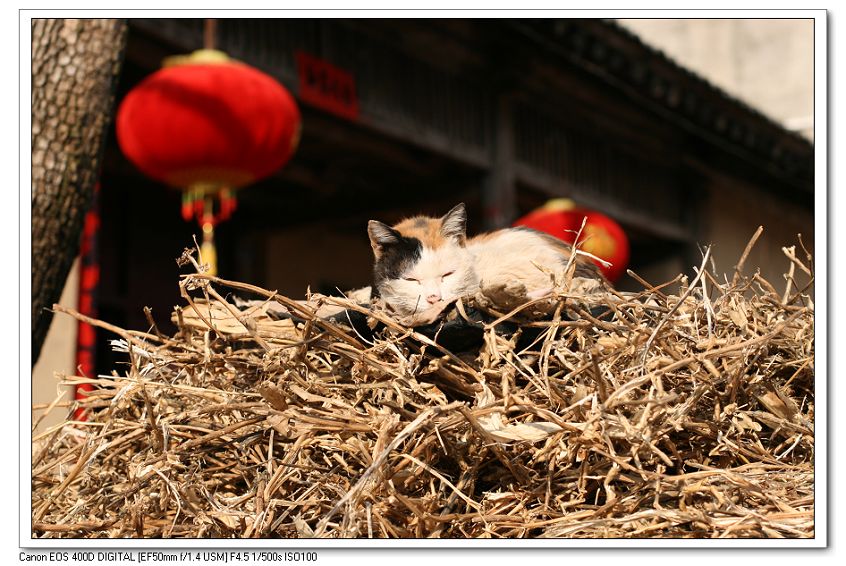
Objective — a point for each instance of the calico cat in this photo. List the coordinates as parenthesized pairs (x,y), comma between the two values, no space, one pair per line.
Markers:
(424,263)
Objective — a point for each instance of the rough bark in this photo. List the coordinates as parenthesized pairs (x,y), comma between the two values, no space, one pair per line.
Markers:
(75,65)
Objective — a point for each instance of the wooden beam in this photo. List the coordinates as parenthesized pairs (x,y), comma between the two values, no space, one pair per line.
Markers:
(499,188)
(555,187)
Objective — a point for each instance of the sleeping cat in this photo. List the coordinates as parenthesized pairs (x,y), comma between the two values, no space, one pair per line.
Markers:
(424,263)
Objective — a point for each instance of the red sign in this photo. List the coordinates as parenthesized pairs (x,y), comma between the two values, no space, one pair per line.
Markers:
(326,86)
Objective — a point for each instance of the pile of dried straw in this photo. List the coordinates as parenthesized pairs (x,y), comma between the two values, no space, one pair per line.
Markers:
(606,415)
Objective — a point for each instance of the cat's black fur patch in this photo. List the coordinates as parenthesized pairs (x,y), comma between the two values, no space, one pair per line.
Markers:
(395,259)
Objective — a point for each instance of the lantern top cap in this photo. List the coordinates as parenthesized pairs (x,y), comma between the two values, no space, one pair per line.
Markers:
(559,204)
(198,57)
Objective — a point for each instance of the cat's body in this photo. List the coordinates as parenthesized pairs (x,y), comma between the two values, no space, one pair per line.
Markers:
(423,263)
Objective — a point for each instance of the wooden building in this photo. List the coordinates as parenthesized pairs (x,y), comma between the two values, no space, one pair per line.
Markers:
(417,115)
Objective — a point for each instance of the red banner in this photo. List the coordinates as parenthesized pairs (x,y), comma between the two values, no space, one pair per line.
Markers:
(326,86)
(89,278)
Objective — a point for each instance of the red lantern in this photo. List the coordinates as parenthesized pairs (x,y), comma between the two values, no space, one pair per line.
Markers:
(601,236)
(208,125)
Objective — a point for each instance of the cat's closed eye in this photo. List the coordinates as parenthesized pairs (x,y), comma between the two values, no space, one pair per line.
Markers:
(411,279)
(447,274)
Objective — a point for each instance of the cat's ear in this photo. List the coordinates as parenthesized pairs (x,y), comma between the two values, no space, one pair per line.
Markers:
(381,236)
(454,224)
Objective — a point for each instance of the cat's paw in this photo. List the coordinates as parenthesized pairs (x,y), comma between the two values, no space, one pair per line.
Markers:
(426,316)
(585,286)
(503,294)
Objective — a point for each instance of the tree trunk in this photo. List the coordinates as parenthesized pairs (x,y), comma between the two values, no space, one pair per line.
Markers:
(75,65)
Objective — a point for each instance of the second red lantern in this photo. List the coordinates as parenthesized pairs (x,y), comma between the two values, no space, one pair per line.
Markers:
(601,236)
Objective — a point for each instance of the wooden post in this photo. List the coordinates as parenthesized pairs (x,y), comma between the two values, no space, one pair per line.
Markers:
(499,191)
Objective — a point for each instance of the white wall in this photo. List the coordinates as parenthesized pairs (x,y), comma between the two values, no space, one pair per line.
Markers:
(769,64)
(58,354)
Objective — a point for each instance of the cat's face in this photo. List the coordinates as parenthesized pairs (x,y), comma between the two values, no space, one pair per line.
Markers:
(422,263)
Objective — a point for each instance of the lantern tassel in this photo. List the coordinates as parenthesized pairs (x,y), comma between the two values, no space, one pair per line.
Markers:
(207,249)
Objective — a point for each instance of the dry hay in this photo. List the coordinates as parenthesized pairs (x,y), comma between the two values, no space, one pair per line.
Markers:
(656,415)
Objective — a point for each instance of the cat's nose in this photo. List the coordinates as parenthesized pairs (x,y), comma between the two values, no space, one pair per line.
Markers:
(432,299)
